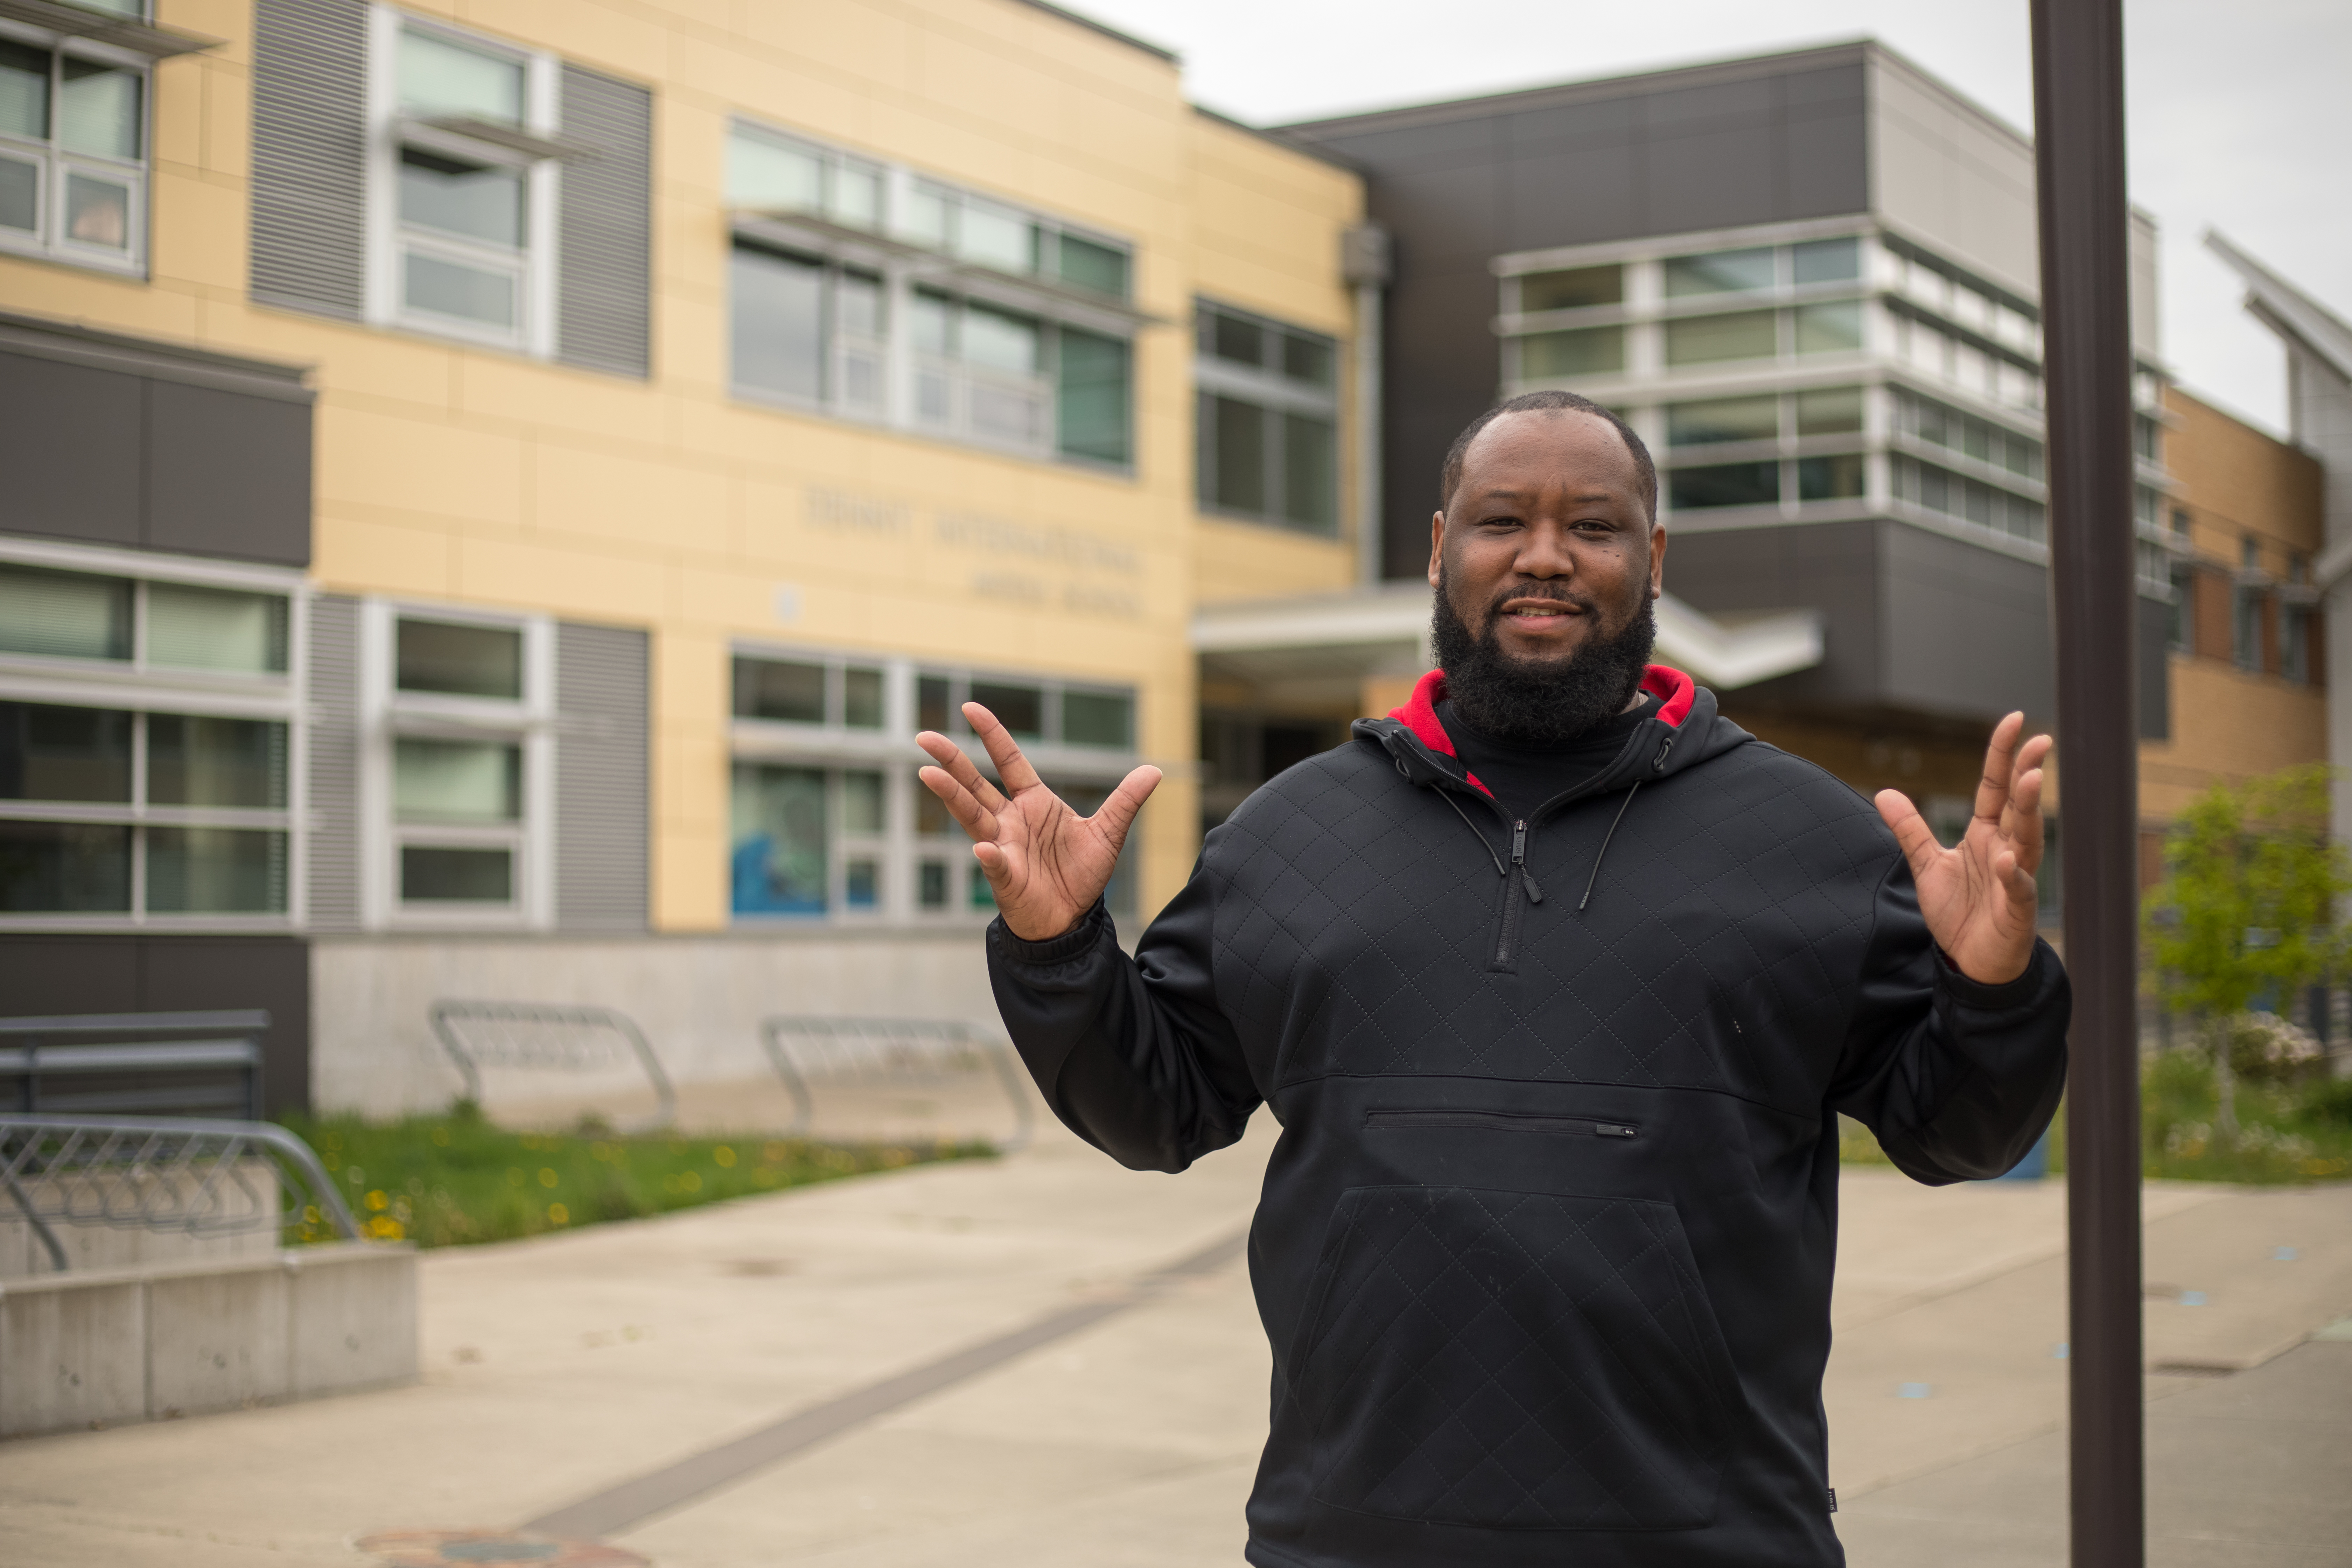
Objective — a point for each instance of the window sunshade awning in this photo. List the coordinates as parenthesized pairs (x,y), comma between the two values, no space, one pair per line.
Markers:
(64,21)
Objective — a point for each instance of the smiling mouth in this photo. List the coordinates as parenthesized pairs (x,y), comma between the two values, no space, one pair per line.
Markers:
(1545,611)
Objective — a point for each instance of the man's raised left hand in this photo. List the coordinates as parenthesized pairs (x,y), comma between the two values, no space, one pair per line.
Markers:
(1979,896)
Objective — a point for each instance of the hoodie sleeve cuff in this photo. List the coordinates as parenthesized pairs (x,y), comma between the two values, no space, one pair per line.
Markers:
(2016,992)
(1053,948)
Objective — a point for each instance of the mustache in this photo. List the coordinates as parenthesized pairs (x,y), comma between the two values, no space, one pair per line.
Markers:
(1553,592)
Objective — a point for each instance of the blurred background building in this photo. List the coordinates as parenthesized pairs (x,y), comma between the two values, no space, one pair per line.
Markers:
(494,491)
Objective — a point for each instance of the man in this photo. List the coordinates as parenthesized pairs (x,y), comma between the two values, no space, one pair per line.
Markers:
(1555,980)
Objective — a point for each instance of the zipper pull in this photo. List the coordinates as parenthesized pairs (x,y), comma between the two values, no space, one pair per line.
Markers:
(1520,859)
(1658,763)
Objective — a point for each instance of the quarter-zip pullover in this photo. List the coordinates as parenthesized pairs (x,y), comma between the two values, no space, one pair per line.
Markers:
(1544,1248)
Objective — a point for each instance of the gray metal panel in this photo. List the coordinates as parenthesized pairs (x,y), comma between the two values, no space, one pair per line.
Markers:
(604,316)
(1831,567)
(62,447)
(334,779)
(601,677)
(310,143)
(228,474)
(1967,628)
(2153,685)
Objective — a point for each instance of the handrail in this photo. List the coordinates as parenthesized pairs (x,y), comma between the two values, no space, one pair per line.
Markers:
(445,1015)
(157,1173)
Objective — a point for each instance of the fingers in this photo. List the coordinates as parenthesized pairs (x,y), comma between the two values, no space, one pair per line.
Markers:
(976,820)
(959,767)
(1011,766)
(2000,769)
(1116,814)
(1918,845)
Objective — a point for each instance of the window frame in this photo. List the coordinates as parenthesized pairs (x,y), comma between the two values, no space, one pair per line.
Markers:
(52,160)
(905,263)
(136,687)
(1276,396)
(390,241)
(902,849)
(388,715)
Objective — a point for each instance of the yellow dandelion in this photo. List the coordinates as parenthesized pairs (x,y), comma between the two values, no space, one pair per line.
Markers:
(377,1201)
(724,1157)
(689,1182)
(558,1214)
(546,1177)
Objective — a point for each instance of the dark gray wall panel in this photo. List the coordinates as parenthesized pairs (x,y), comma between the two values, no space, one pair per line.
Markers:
(2154,685)
(1832,568)
(334,780)
(62,446)
(602,689)
(1717,179)
(1967,628)
(603,314)
(228,474)
(47,974)
(310,155)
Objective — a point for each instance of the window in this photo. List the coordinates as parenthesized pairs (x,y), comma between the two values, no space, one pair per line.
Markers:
(1709,339)
(1579,289)
(1268,421)
(73,156)
(467,156)
(2180,624)
(827,818)
(2246,628)
(807,329)
(141,625)
(465,752)
(1556,356)
(1968,436)
(1720,272)
(1724,419)
(1018,341)
(2295,643)
(1960,499)
(1724,484)
(792,692)
(105,811)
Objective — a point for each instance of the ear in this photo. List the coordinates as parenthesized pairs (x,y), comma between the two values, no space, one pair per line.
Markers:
(1657,559)
(1436,544)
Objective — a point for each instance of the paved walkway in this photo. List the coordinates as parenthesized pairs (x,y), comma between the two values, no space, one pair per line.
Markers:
(987,1364)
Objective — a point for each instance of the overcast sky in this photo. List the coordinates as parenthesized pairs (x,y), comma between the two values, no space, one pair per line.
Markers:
(2230,108)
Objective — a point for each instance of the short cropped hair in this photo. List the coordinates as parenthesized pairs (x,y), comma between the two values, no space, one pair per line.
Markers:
(1450,479)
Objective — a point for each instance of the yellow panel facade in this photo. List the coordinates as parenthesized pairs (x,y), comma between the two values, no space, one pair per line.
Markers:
(477,477)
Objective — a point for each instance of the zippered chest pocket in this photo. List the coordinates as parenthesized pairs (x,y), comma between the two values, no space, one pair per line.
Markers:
(1400,1119)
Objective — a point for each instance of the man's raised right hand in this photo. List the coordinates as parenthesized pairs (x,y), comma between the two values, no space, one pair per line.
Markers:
(1045,863)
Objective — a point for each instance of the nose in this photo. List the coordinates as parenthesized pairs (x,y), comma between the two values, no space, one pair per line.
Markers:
(1544,552)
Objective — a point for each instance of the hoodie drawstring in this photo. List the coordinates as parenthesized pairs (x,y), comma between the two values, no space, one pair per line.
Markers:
(1611,834)
(1447,796)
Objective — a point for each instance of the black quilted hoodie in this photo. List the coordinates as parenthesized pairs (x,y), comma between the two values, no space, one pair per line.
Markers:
(1545,1248)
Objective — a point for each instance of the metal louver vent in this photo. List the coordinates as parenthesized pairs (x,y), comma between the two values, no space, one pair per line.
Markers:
(310,142)
(334,783)
(605,256)
(601,760)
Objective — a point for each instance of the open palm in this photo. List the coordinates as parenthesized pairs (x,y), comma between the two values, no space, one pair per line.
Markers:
(1979,896)
(1045,863)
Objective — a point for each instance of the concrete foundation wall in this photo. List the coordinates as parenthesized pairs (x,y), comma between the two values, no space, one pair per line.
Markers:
(108,1346)
(699,1001)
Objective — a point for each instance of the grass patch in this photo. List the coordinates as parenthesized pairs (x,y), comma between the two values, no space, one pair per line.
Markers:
(455,1179)
(2295,1129)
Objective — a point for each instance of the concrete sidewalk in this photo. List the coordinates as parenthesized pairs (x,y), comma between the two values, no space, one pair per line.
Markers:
(612,1369)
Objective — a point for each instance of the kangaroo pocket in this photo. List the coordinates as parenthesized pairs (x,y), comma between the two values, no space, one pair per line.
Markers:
(1512,1360)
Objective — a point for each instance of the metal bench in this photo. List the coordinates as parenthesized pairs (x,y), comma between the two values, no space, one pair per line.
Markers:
(533,1035)
(207,1180)
(879,1061)
(37,1052)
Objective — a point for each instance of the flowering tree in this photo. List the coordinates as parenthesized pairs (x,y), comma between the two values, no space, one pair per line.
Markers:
(2248,907)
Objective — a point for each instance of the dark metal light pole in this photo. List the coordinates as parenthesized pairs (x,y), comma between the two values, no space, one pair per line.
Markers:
(2078,123)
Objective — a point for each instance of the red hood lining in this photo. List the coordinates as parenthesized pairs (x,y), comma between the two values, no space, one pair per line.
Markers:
(1419,713)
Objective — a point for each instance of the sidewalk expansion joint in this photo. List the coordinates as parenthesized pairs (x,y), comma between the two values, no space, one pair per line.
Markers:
(613,1509)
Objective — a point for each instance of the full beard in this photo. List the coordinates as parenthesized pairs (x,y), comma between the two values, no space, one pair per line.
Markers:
(1538,705)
